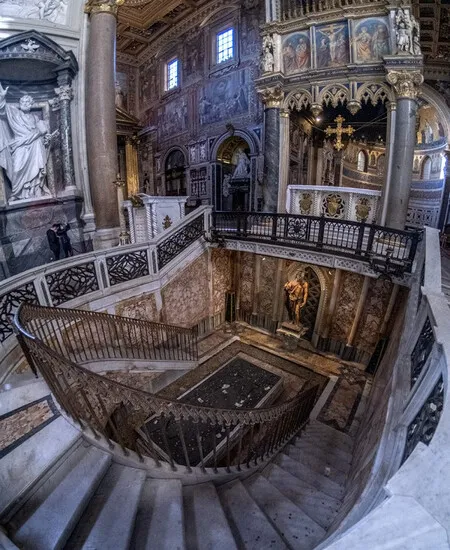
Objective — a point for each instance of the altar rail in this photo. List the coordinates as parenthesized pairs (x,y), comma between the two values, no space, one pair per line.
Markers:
(300,9)
(205,438)
(340,237)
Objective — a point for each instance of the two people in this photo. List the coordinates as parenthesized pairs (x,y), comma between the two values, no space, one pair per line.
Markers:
(58,238)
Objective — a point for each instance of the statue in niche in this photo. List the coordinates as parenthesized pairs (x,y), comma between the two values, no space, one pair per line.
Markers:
(296,295)
(25,142)
(407,32)
(267,60)
(242,167)
(119,100)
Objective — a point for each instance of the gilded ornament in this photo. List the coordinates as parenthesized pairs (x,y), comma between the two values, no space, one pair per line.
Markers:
(334,205)
(305,203)
(102,6)
(405,83)
(362,209)
(272,97)
(167,222)
(339,131)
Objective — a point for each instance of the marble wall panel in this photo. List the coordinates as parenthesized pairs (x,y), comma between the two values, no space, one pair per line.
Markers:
(346,306)
(267,289)
(222,276)
(139,307)
(373,314)
(247,281)
(186,298)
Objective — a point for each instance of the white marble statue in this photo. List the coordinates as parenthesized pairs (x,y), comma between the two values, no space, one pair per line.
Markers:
(24,147)
(242,167)
(267,57)
(50,10)
(407,32)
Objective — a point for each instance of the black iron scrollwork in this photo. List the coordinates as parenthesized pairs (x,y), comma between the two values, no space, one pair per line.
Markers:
(176,243)
(421,351)
(9,303)
(125,267)
(424,425)
(70,283)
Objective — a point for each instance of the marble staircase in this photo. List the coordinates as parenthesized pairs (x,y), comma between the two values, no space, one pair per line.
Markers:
(87,500)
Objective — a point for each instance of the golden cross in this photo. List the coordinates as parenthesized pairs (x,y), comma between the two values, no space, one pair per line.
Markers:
(339,130)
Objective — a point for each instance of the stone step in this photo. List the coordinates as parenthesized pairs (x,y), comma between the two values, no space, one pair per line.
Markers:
(334,441)
(56,513)
(337,458)
(332,433)
(318,465)
(250,527)
(207,527)
(159,520)
(320,507)
(318,481)
(107,522)
(326,444)
(22,467)
(297,528)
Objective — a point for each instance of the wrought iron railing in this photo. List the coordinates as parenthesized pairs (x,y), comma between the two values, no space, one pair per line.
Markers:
(340,237)
(296,9)
(85,336)
(169,432)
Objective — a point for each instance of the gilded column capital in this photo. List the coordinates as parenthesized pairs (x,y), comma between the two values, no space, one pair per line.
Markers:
(405,83)
(102,6)
(272,97)
(284,113)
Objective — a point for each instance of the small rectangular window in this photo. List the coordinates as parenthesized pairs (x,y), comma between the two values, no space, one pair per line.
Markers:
(172,74)
(225,45)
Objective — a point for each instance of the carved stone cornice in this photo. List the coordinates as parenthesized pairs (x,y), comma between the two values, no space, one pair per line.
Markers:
(102,6)
(272,97)
(406,84)
(64,93)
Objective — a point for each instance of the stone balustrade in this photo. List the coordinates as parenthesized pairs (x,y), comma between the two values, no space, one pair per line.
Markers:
(340,203)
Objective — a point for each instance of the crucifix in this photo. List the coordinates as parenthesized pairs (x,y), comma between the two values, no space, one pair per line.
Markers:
(339,130)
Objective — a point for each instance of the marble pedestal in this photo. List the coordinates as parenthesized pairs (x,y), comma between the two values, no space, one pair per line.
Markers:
(23,232)
(291,334)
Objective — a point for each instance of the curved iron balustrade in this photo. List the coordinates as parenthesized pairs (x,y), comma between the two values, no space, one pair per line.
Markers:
(171,432)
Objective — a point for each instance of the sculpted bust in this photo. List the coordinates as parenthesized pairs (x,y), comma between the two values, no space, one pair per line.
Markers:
(24,142)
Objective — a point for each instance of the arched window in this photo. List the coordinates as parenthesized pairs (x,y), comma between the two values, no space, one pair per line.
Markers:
(426,169)
(362,161)
(381,165)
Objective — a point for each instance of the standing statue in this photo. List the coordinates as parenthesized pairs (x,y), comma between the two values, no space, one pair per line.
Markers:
(242,167)
(404,31)
(24,143)
(267,56)
(296,295)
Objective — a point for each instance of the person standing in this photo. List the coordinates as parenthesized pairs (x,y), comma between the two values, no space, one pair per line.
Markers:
(53,240)
(65,240)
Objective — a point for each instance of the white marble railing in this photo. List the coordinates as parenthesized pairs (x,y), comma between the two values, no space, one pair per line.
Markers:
(340,203)
(404,499)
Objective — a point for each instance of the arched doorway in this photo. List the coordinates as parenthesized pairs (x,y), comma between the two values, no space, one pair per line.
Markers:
(233,175)
(175,174)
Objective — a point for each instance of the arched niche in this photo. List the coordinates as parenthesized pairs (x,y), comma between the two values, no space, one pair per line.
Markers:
(363,161)
(175,173)
(234,172)
(313,312)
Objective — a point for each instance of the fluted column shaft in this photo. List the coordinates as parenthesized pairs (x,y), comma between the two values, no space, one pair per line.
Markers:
(101,112)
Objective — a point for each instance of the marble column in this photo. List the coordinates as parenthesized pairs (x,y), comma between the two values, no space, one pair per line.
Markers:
(406,85)
(389,159)
(131,163)
(101,117)
(283,160)
(272,99)
(65,96)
